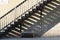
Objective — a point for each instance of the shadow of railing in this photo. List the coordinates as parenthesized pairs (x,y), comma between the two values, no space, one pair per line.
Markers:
(51,17)
(41,24)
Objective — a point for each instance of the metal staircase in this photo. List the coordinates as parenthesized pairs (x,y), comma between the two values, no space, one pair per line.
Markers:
(33,23)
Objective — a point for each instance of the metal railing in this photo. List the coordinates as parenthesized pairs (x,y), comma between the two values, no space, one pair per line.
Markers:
(17,11)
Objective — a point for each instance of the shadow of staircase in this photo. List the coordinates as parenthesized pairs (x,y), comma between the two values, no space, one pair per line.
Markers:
(50,17)
(36,22)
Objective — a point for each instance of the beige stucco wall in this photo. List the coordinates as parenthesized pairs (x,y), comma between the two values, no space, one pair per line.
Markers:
(55,31)
(4,8)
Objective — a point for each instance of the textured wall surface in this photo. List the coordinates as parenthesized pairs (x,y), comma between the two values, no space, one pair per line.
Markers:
(4,8)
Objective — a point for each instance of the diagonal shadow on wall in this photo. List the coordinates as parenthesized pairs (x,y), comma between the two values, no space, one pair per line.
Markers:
(50,18)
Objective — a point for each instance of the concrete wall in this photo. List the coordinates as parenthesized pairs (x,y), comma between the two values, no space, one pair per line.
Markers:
(4,8)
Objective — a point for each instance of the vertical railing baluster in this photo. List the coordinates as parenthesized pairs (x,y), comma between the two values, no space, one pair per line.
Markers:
(0,24)
(3,22)
(15,13)
(6,19)
(21,21)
